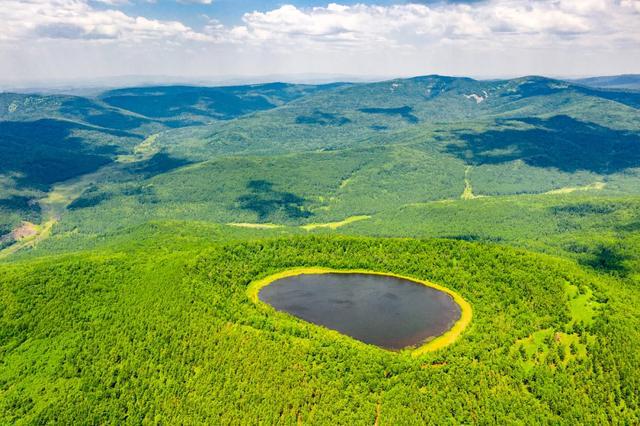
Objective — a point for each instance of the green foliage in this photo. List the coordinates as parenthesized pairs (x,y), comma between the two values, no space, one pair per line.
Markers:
(153,334)
(559,142)
(404,112)
(625,81)
(43,152)
(322,119)
(266,202)
(179,106)
(132,306)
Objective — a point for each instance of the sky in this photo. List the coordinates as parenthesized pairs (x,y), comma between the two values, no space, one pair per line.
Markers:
(80,40)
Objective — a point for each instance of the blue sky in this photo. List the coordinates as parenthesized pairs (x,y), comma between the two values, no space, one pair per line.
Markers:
(229,12)
(221,39)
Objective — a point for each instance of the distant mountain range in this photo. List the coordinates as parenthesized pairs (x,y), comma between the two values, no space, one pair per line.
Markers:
(554,132)
(95,86)
(137,226)
(625,81)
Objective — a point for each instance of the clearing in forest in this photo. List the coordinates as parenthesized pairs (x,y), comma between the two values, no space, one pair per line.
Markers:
(467,194)
(255,225)
(596,186)
(334,225)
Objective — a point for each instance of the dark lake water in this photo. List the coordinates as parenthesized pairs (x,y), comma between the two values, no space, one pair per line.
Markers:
(389,312)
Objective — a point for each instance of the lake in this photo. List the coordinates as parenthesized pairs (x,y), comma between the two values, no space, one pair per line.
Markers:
(386,311)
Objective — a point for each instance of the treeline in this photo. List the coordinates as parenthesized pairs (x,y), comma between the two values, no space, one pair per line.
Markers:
(160,331)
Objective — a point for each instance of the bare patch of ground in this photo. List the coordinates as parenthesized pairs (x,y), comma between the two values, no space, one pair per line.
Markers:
(334,225)
(255,225)
(596,186)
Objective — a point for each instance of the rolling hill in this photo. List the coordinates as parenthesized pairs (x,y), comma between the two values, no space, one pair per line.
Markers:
(133,222)
(45,139)
(625,81)
(325,157)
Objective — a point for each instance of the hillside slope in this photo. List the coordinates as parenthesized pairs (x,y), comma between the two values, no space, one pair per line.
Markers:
(47,139)
(160,329)
(123,297)
(625,81)
(297,155)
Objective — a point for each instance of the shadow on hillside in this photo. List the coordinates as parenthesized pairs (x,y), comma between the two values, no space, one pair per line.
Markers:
(609,259)
(322,119)
(405,112)
(584,209)
(559,142)
(158,164)
(25,206)
(625,97)
(265,201)
(629,227)
(97,115)
(40,153)
(174,101)
(473,238)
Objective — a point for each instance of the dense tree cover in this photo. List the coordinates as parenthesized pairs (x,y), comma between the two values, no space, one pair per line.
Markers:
(179,106)
(336,165)
(625,81)
(378,145)
(432,103)
(20,107)
(599,232)
(134,308)
(329,185)
(143,109)
(559,142)
(40,153)
(46,139)
(168,334)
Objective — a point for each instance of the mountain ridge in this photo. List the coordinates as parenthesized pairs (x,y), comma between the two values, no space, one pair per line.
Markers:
(560,133)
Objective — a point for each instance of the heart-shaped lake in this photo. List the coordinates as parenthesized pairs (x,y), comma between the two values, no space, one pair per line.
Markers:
(383,310)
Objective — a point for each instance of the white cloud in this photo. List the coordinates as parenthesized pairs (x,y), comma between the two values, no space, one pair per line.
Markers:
(536,22)
(499,22)
(485,37)
(195,1)
(26,20)
(632,5)
(114,2)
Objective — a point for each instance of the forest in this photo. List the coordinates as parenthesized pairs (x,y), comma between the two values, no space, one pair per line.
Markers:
(165,333)
(133,227)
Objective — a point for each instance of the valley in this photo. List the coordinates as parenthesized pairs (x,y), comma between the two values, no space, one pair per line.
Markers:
(139,224)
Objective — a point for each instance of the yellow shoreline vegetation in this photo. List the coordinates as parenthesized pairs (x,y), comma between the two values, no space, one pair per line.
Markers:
(432,345)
